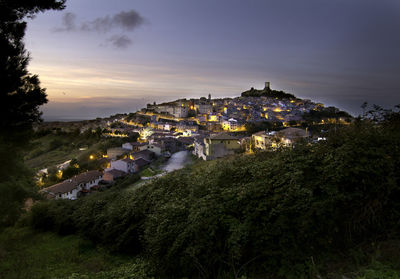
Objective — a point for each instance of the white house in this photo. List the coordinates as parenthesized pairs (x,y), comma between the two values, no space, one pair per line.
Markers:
(73,187)
(156,148)
(126,165)
(128,145)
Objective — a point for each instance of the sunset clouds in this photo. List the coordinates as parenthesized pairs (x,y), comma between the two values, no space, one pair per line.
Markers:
(338,52)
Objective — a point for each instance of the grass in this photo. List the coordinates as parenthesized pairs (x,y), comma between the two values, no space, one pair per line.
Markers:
(378,270)
(46,152)
(54,149)
(370,261)
(28,254)
(149,172)
(52,158)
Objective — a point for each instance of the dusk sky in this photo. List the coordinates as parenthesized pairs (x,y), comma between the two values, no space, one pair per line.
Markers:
(98,58)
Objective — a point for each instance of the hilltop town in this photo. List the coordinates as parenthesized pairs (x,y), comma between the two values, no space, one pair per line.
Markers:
(227,114)
(208,128)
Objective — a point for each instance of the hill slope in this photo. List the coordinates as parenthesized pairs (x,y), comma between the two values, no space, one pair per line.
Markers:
(269,213)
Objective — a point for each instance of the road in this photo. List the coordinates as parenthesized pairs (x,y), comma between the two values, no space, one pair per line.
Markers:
(177,161)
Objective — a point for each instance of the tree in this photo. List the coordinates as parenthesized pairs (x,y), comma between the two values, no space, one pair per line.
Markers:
(20,96)
(20,93)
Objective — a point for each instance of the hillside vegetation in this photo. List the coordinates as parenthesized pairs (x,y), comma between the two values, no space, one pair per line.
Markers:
(267,92)
(50,148)
(280,214)
(28,254)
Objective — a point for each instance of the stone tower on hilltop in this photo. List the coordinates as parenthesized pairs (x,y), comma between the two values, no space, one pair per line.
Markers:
(267,85)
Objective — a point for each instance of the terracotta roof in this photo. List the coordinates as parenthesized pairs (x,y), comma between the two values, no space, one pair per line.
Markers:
(140,162)
(72,183)
(145,152)
(87,176)
(116,173)
(61,188)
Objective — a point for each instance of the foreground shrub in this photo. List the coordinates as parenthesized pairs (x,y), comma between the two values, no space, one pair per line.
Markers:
(258,214)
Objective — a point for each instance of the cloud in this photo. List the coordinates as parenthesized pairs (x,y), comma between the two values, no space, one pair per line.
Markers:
(120,41)
(123,21)
(68,21)
(127,21)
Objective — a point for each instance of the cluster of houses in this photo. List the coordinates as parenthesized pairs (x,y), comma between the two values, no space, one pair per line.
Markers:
(265,140)
(202,125)
(222,144)
(218,115)
(130,158)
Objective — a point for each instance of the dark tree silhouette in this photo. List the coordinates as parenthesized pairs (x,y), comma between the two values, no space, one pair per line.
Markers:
(20,97)
(20,92)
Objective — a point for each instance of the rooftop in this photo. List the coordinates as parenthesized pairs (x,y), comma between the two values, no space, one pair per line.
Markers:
(72,183)
(140,162)
(115,172)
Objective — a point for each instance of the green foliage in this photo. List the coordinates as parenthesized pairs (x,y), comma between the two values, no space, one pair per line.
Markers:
(20,96)
(71,171)
(326,113)
(28,254)
(55,216)
(266,92)
(125,181)
(137,270)
(49,149)
(254,127)
(12,195)
(16,184)
(268,213)
(378,270)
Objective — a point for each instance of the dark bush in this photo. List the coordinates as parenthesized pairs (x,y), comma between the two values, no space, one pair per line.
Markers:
(263,213)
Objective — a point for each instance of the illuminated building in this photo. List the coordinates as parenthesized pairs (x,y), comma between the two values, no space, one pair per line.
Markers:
(216,146)
(72,188)
(285,138)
